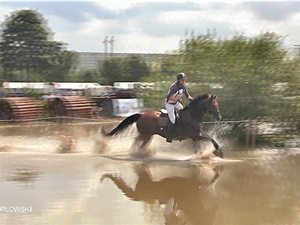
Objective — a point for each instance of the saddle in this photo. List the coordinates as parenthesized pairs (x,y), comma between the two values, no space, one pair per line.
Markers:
(163,113)
(164,118)
(163,121)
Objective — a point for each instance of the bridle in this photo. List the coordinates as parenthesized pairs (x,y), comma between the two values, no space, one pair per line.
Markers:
(212,107)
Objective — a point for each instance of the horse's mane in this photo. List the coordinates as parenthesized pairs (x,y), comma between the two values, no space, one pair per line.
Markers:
(193,106)
(198,99)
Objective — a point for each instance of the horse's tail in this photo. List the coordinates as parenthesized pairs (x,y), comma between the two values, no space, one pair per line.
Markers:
(123,125)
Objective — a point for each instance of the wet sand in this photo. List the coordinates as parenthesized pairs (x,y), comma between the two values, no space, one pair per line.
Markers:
(261,187)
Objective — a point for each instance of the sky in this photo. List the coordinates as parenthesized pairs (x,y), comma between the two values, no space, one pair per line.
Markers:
(157,26)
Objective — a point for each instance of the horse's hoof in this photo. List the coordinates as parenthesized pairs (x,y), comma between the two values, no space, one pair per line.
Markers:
(218,152)
(216,146)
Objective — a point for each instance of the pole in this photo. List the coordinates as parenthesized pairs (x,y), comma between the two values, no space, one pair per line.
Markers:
(105,42)
(111,41)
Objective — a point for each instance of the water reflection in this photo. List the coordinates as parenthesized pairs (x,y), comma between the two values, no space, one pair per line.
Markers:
(24,176)
(187,197)
(262,188)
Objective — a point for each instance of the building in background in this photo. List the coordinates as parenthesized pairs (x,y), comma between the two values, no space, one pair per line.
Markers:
(92,60)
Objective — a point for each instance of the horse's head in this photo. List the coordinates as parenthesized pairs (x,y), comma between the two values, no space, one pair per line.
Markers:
(204,103)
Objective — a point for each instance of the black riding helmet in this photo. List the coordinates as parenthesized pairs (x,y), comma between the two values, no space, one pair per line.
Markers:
(181,76)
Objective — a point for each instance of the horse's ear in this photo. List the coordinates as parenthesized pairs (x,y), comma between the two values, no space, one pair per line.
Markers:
(215,96)
(211,98)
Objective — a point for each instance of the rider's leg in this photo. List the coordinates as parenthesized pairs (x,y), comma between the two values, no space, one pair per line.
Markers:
(170,127)
(178,107)
(171,113)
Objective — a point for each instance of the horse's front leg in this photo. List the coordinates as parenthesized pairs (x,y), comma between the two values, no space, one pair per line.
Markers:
(217,151)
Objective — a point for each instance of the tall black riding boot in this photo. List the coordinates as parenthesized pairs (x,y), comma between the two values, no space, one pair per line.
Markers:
(170,130)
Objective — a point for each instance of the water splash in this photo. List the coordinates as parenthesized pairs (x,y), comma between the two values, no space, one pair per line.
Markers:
(219,131)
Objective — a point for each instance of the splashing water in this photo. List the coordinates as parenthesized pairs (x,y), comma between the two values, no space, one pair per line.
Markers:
(217,132)
(76,138)
(121,143)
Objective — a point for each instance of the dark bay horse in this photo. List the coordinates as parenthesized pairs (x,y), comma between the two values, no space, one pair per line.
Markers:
(188,124)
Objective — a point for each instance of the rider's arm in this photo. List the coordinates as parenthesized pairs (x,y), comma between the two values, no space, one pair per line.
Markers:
(187,94)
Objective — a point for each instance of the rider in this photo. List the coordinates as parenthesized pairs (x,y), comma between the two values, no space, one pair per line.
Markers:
(176,91)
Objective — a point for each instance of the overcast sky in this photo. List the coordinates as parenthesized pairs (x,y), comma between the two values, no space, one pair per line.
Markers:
(156,26)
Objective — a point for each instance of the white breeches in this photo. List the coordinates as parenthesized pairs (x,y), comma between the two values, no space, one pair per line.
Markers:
(171,110)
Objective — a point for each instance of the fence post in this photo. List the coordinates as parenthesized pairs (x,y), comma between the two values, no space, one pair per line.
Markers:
(247,135)
(253,134)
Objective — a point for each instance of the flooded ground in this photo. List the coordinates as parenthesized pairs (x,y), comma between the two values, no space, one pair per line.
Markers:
(39,185)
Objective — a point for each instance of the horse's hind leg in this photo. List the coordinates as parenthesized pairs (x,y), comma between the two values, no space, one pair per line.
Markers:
(146,141)
(137,141)
(140,144)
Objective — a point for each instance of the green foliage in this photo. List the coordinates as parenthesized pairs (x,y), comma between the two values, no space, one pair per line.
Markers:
(135,68)
(85,76)
(60,63)
(113,70)
(124,69)
(27,51)
(254,78)
(243,72)
(158,76)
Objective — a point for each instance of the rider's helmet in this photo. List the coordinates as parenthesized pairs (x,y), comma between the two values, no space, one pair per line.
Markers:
(181,76)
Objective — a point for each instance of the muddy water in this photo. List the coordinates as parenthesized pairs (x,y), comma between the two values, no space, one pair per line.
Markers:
(38,185)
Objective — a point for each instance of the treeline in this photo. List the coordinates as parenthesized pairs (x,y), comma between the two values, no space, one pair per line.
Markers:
(129,69)
(29,53)
(253,77)
(254,73)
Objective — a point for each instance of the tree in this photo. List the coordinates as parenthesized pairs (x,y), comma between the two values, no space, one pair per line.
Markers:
(60,62)
(85,76)
(136,69)
(26,48)
(245,69)
(253,77)
(130,69)
(112,70)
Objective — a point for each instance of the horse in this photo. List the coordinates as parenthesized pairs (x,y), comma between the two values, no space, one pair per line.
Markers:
(188,123)
(185,195)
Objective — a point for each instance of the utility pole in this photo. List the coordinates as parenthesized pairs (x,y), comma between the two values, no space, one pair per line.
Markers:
(105,42)
(111,42)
